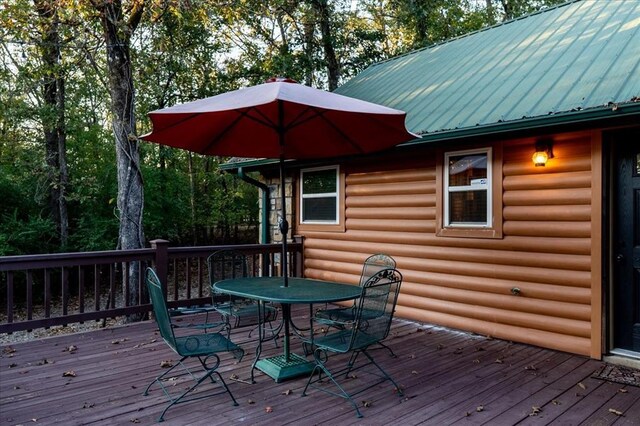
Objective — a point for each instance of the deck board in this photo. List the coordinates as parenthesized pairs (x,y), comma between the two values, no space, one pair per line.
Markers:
(445,375)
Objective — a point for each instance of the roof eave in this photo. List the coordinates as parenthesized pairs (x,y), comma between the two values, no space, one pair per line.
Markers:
(572,118)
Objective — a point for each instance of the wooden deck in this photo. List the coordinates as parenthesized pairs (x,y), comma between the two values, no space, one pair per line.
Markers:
(447,377)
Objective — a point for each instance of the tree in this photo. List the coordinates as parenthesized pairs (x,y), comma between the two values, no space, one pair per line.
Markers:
(53,117)
(118,30)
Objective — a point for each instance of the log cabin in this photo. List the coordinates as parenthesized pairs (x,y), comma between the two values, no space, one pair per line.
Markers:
(516,213)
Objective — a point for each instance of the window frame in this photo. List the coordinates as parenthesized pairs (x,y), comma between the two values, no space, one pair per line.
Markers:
(493,227)
(468,188)
(316,225)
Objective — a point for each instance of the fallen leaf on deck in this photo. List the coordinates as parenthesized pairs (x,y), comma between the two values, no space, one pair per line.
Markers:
(623,390)
(166,364)
(117,342)
(581,385)
(535,411)
(34,420)
(467,414)
(479,348)
(556,402)
(414,372)
(69,373)
(44,361)
(268,409)
(8,350)
(88,405)
(616,412)
(458,351)
(287,392)
(70,349)
(353,376)
(250,401)
(531,367)
(366,403)
(13,365)
(498,361)
(412,356)
(476,361)
(135,421)
(439,347)
(480,408)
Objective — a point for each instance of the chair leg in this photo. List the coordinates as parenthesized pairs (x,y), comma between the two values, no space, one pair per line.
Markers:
(391,353)
(386,375)
(320,368)
(208,375)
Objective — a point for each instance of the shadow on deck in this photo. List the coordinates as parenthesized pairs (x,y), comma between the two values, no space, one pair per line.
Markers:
(448,377)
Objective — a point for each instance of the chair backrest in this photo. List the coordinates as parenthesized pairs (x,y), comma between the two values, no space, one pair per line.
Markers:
(377,304)
(160,311)
(374,264)
(224,264)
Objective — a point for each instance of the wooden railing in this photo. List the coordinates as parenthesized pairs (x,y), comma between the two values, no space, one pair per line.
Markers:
(60,289)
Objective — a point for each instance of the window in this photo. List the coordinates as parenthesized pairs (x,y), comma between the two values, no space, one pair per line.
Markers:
(467,188)
(319,196)
(469,192)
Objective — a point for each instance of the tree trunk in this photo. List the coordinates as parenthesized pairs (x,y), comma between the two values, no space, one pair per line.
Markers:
(53,118)
(333,67)
(130,200)
(192,200)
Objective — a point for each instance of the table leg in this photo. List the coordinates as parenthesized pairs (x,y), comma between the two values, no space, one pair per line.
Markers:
(287,365)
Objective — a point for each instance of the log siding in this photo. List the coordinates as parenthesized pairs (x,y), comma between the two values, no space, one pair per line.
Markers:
(534,285)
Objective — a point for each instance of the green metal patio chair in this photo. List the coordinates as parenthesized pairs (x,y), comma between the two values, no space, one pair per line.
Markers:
(236,311)
(336,317)
(373,315)
(203,346)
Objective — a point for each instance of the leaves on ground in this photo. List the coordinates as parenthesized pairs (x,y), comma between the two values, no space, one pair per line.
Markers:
(250,401)
(616,412)
(268,409)
(414,372)
(69,373)
(71,349)
(499,361)
(366,403)
(9,351)
(88,405)
(135,420)
(118,341)
(44,361)
(581,385)
(530,368)
(623,390)
(535,411)
(13,365)
(556,402)
(166,363)
(287,392)
(480,408)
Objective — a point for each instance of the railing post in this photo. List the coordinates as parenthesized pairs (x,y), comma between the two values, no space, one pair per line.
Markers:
(161,248)
(299,256)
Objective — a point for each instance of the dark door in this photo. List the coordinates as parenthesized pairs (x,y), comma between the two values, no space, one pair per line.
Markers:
(626,240)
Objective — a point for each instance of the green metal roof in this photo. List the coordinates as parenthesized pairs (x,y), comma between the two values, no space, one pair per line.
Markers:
(581,57)
(575,63)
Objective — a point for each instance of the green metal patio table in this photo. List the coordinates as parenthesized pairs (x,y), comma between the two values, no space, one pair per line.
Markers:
(298,291)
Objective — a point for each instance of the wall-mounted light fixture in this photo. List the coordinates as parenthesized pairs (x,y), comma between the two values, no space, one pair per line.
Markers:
(544,151)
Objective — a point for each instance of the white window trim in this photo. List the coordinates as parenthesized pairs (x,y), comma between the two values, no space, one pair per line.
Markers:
(335,194)
(486,186)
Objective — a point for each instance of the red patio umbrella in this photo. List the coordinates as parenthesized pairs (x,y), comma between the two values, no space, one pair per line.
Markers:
(279,119)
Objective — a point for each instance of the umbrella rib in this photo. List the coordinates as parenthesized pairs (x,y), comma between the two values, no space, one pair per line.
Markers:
(340,132)
(241,115)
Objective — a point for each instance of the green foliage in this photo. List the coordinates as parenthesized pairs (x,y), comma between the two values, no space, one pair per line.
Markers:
(181,51)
